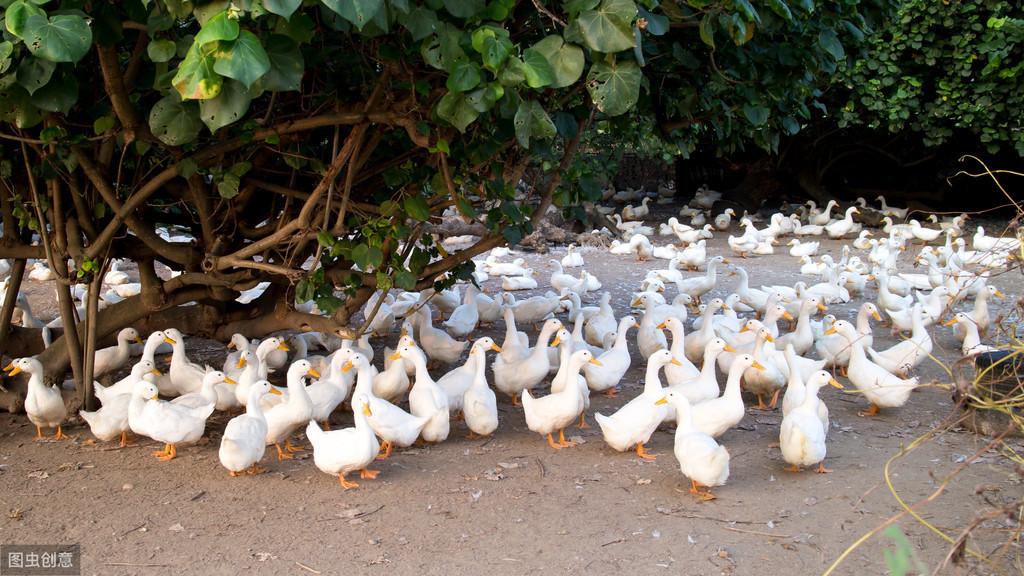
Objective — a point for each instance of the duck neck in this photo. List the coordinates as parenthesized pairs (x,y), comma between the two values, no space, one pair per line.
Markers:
(480,370)
(810,403)
(652,382)
(364,380)
(254,408)
(297,389)
(732,383)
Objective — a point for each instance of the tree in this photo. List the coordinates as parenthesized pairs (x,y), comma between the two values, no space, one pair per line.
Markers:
(314,144)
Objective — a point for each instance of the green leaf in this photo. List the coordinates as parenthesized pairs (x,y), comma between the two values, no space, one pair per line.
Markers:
(59,95)
(196,79)
(485,98)
(103,124)
(358,12)
(374,257)
(405,280)
(63,38)
(657,25)
(383,280)
(218,27)
(532,121)
(537,69)
(416,207)
(749,12)
(228,186)
(828,40)
(707,31)
(781,9)
(566,125)
(161,50)
(283,8)
(464,77)
(244,59)
(614,87)
(287,65)
(359,256)
(420,22)
(566,60)
(465,207)
(34,73)
(174,122)
(609,27)
(756,115)
(229,106)
(464,8)
(456,109)
(17,14)
(187,167)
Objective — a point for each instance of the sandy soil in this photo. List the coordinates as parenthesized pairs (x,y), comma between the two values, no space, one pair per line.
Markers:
(510,504)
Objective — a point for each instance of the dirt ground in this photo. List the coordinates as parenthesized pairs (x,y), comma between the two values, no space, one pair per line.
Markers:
(512,505)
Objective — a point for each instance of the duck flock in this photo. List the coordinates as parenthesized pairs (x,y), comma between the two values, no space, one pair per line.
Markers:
(436,378)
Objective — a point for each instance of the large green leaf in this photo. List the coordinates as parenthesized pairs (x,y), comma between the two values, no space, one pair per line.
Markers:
(283,8)
(286,64)
(229,106)
(614,87)
(59,95)
(17,14)
(218,27)
(464,8)
(62,38)
(174,122)
(244,59)
(532,121)
(358,12)
(608,28)
(830,43)
(161,50)
(464,77)
(34,73)
(196,79)
(537,69)
(16,107)
(6,49)
(566,60)
(756,115)
(420,22)
(707,30)
(456,109)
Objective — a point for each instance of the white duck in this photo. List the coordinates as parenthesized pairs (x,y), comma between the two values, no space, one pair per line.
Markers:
(331,389)
(479,404)
(983,243)
(111,420)
(112,358)
(456,382)
(40,272)
(716,416)
(971,344)
(649,338)
(524,282)
(841,228)
(395,426)
(515,375)
(44,404)
(115,276)
(560,280)
(882,388)
(904,356)
(165,422)
(437,344)
(700,285)
(244,441)
(208,392)
(534,309)
(802,433)
(614,363)
(863,240)
(796,390)
(684,370)
(185,376)
(924,234)
(700,458)
(723,220)
(556,411)
(572,258)
(693,256)
(466,316)
(705,386)
(602,323)
(801,249)
(339,452)
(640,212)
(286,417)
(632,425)
(822,218)
(426,398)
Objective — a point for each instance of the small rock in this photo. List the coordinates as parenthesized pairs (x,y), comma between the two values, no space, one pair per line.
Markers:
(643,481)
(810,501)
(771,524)
(656,534)
(126,487)
(177,528)
(39,474)
(508,465)
(577,439)
(691,538)
(476,494)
